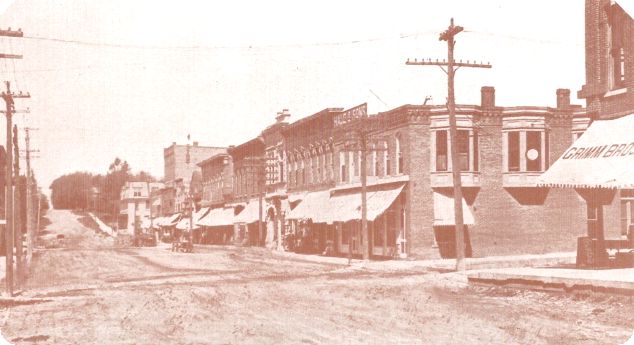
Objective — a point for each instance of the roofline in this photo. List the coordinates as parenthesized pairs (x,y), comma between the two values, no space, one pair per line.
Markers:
(212,158)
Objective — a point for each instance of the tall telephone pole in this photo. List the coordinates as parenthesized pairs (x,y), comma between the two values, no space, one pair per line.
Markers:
(8,96)
(30,185)
(452,66)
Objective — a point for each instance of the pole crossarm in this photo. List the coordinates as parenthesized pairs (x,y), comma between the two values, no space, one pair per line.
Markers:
(21,111)
(10,56)
(12,33)
(451,67)
(445,63)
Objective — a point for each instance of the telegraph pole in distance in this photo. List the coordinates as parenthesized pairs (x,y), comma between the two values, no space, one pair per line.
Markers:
(30,224)
(452,66)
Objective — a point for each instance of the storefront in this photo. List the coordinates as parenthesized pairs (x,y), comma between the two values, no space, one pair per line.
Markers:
(217,226)
(246,228)
(329,222)
(599,166)
(445,225)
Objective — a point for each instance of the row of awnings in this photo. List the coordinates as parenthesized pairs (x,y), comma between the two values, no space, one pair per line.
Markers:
(330,207)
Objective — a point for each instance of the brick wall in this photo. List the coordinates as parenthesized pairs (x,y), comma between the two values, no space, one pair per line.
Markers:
(522,220)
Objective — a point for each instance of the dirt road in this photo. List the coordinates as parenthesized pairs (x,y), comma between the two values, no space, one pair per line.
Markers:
(89,292)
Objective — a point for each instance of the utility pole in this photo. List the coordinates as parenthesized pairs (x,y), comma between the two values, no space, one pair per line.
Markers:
(30,185)
(361,146)
(8,96)
(17,210)
(452,66)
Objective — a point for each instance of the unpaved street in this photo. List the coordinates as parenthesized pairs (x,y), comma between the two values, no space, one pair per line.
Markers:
(90,292)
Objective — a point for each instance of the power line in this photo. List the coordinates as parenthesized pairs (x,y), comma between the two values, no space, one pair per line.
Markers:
(225,47)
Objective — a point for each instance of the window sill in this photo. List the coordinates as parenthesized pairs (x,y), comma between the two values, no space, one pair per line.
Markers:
(520,178)
(615,92)
(445,179)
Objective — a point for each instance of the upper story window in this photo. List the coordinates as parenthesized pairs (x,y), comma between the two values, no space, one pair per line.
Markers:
(399,155)
(617,41)
(373,166)
(525,144)
(343,173)
(387,160)
(466,141)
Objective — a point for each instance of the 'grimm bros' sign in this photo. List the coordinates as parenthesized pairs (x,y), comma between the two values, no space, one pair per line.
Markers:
(605,151)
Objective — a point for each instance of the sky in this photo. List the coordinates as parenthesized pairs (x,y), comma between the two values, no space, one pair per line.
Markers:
(126,78)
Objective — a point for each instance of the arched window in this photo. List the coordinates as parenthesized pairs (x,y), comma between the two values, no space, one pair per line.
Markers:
(399,155)
(386,159)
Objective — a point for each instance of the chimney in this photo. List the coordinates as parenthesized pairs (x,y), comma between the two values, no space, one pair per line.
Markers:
(488,97)
(563,98)
(282,116)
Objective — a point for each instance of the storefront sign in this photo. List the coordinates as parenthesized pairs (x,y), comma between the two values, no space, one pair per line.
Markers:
(605,151)
(351,114)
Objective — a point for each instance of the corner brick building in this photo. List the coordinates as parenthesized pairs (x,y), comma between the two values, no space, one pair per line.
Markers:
(502,152)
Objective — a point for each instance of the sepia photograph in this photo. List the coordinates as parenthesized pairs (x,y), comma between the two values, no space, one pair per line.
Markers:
(299,172)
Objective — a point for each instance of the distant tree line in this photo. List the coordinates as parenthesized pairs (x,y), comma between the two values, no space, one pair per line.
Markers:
(79,190)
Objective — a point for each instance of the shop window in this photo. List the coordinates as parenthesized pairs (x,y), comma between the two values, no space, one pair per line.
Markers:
(627,211)
(378,234)
(526,151)
(391,228)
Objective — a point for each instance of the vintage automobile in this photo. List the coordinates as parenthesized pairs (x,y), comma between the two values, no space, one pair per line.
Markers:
(182,246)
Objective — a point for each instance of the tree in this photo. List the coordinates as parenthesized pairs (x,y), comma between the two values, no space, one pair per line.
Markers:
(69,191)
(118,174)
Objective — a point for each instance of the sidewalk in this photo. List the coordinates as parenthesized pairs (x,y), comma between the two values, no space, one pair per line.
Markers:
(528,260)
(607,280)
(102,226)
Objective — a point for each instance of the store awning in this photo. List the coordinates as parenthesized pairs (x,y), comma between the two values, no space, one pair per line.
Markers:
(444,214)
(218,217)
(314,206)
(171,220)
(198,215)
(183,224)
(347,207)
(156,222)
(293,197)
(603,157)
(251,212)
(145,223)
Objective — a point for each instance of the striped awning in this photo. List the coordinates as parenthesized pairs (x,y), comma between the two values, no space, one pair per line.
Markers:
(603,157)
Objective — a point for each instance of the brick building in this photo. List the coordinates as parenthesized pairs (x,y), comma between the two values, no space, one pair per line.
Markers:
(609,49)
(601,175)
(609,87)
(179,165)
(217,180)
(410,207)
(275,179)
(248,191)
